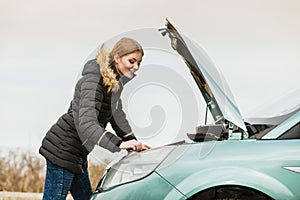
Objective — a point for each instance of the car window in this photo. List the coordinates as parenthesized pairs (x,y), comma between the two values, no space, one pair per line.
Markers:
(293,133)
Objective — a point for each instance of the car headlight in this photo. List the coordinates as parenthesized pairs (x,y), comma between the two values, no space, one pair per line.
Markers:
(135,166)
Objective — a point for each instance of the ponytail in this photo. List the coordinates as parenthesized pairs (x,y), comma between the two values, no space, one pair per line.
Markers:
(108,74)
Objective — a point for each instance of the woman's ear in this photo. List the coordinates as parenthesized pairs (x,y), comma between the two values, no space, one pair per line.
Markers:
(116,58)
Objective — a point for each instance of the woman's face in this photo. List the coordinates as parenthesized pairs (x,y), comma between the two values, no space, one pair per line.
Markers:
(128,64)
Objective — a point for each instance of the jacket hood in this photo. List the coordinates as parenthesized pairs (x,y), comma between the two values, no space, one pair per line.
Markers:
(91,67)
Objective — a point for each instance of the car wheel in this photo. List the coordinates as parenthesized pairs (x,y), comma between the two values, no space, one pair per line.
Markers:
(230,193)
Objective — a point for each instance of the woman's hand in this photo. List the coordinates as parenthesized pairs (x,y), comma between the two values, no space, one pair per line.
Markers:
(134,145)
(145,147)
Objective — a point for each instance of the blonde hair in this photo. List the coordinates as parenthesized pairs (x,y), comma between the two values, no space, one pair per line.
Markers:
(105,59)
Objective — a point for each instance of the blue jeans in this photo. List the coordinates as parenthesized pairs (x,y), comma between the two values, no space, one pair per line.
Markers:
(60,181)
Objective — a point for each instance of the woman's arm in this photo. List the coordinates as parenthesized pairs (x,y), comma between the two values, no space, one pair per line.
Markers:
(121,126)
(89,130)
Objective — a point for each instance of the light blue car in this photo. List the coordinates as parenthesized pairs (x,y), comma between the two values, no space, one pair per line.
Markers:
(234,158)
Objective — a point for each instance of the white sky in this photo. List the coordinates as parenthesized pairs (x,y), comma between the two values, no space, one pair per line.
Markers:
(43,44)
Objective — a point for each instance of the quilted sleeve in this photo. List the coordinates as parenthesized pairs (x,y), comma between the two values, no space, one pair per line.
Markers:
(89,130)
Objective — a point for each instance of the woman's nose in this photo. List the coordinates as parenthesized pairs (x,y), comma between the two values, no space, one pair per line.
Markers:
(136,66)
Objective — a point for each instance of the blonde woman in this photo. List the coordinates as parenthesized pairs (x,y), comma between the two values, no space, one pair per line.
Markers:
(96,102)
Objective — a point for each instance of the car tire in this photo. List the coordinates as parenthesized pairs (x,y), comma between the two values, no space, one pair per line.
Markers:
(230,193)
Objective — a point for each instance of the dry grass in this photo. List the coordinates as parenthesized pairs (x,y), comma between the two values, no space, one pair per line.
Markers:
(21,172)
(95,172)
(25,172)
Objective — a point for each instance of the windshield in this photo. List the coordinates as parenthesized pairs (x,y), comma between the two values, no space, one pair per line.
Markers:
(281,106)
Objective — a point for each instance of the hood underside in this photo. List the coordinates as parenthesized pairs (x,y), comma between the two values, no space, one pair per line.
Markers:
(208,78)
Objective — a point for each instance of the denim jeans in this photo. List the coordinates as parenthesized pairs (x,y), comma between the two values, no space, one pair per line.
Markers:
(60,181)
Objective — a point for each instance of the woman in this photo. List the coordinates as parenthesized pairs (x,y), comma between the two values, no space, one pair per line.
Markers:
(96,102)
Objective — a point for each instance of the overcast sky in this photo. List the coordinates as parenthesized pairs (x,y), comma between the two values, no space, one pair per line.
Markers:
(43,45)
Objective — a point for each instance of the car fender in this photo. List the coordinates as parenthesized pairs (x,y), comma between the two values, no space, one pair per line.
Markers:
(250,178)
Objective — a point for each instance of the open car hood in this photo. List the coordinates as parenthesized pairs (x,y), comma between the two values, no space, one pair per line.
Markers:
(208,78)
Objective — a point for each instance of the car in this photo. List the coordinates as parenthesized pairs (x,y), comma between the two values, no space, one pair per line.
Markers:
(255,157)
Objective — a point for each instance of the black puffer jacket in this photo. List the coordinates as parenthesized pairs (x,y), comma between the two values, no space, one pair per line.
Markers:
(75,134)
